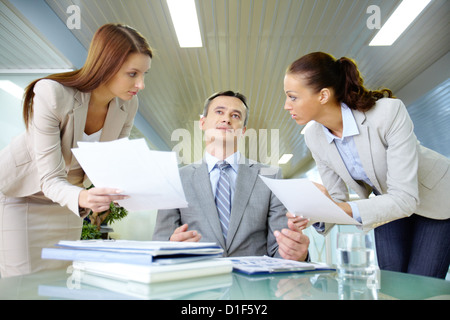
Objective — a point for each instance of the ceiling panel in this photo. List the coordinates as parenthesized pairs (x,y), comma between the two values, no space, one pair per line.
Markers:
(22,46)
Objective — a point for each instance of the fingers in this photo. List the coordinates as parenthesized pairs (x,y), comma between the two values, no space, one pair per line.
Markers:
(292,243)
(106,195)
(102,191)
(99,199)
(293,237)
(298,226)
(298,221)
(183,234)
(183,228)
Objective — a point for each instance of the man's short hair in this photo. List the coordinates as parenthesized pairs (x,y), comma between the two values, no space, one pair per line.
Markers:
(227,93)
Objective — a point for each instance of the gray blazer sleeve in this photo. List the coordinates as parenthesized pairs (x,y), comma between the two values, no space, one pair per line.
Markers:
(166,223)
(276,220)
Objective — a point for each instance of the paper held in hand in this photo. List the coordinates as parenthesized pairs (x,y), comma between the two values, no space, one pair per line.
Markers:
(150,178)
(301,197)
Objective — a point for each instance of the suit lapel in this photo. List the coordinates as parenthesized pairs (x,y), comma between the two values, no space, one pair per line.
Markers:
(79,114)
(362,142)
(246,178)
(202,186)
(115,120)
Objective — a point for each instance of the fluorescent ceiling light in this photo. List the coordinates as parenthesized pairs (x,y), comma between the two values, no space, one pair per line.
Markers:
(402,17)
(285,158)
(185,22)
(12,88)
(28,71)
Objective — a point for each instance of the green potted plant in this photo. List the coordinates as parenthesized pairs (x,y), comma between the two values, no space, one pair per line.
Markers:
(94,220)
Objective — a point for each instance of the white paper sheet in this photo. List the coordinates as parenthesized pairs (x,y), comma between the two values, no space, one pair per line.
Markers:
(302,197)
(150,178)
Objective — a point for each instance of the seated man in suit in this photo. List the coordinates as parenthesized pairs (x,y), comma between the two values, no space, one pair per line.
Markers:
(231,206)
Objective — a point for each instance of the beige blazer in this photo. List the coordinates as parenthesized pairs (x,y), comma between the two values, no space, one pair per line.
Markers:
(40,158)
(410,177)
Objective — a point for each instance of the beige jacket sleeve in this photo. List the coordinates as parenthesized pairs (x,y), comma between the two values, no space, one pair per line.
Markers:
(58,123)
(48,115)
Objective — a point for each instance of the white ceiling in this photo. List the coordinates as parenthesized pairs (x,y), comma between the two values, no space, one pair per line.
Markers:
(247,46)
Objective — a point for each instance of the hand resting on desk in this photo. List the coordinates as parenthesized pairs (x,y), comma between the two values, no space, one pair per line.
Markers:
(183,234)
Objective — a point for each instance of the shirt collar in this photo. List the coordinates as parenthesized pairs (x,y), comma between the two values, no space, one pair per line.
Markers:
(349,125)
(233,160)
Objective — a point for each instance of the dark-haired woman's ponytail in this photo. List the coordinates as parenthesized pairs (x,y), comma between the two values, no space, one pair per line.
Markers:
(322,70)
(352,91)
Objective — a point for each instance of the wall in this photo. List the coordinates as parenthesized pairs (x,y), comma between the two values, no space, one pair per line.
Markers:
(11,123)
(135,226)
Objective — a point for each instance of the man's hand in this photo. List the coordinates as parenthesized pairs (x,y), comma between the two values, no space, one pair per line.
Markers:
(182,234)
(300,222)
(292,243)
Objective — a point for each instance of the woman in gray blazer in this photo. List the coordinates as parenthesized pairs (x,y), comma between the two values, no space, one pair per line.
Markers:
(42,199)
(364,140)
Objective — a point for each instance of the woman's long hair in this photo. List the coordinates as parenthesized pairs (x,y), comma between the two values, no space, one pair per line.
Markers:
(321,70)
(109,48)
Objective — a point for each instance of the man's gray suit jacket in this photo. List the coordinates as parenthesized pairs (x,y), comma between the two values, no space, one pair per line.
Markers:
(256,212)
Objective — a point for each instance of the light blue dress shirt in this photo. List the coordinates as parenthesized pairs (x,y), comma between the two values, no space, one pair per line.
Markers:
(349,154)
(214,171)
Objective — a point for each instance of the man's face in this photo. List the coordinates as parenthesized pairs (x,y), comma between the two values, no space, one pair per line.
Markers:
(225,119)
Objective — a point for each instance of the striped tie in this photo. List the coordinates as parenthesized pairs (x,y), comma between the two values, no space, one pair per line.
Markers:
(223,197)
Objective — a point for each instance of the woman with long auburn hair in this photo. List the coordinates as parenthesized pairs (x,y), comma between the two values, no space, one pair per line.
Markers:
(42,197)
(364,140)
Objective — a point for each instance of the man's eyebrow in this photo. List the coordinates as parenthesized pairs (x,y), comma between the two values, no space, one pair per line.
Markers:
(223,107)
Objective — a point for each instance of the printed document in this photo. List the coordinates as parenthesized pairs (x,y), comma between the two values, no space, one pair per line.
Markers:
(267,265)
(150,178)
(302,198)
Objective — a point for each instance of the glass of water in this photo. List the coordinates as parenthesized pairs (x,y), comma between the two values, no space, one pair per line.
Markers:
(356,256)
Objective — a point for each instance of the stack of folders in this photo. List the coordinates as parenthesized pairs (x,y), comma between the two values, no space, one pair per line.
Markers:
(142,261)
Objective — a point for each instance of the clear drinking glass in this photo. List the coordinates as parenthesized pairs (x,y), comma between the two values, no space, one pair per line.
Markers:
(356,256)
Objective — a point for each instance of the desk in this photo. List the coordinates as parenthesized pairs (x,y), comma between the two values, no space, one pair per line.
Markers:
(61,284)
